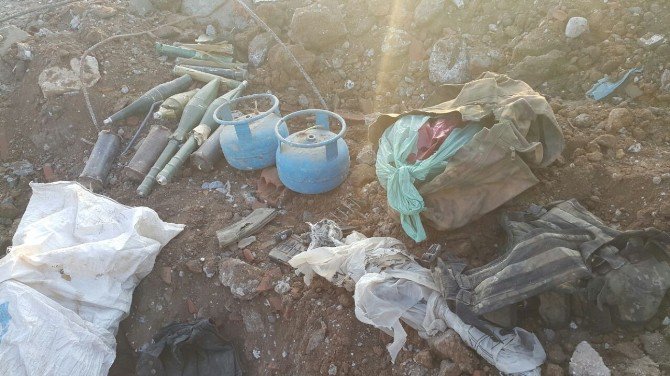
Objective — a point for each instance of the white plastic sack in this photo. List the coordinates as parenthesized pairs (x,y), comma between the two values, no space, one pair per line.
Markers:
(75,260)
(389,286)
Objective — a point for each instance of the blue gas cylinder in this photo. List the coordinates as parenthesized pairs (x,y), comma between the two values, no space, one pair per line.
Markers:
(314,160)
(248,142)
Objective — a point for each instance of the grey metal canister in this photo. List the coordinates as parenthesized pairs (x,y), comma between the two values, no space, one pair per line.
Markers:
(208,153)
(148,152)
(100,161)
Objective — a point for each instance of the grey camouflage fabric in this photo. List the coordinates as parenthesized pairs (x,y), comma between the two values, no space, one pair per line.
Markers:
(625,272)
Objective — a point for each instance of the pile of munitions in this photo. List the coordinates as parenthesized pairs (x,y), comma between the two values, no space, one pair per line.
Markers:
(314,160)
(162,152)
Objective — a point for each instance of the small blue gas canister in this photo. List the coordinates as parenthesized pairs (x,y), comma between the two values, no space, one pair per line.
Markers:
(248,142)
(314,160)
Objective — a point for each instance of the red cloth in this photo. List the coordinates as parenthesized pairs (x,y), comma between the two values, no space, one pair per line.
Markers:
(431,136)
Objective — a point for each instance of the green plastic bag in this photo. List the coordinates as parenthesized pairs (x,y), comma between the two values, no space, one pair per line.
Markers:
(399,177)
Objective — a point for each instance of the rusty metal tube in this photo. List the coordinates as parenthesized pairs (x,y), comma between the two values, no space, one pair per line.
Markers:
(147,153)
(100,161)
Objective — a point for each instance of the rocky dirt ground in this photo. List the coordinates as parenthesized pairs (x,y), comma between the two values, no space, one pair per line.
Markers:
(365,57)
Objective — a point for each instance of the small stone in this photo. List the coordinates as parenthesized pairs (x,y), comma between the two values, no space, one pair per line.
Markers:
(7,209)
(619,154)
(366,156)
(583,121)
(194,266)
(332,370)
(576,26)
(248,255)
(10,35)
(240,277)
(556,354)
(191,307)
(657,180)
(554,309)
(48,172)
(619,118)
(243,243)
(345,300)
(607,141)
(642,366)
(448,368)
(124,89)
(362,174)
(259,47)
(595,156)
(396,42)
(448,345)
(554,370)
(635,148)
(316,338)
(316,27)
(303,101)
(23,52)
(166,275)
(448,63)
(22,168)
(586,361)
(424,358)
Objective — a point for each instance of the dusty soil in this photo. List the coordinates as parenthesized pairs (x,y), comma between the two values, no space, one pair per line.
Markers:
(626,189)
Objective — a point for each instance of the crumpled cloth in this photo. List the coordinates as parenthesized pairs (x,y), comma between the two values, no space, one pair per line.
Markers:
(520,130)
(389,286)
(562,243)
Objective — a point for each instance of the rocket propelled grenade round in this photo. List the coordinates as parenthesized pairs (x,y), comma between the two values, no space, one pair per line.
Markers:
(208,122)
(205,77)
(193,112)
(172,107)
(157,93)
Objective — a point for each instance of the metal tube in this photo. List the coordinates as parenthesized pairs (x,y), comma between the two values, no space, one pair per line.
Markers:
(100,161)
(148,152)
(209,152)
(205,77)
(209,63)
(233,74)
(175,51)
(148,183)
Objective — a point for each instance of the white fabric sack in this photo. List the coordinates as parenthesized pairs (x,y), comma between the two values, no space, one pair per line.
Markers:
(75,254)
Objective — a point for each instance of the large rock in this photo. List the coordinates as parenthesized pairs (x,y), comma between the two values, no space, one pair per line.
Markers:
(10,35)
(141,7)
(317,27)
(57,80)
(259,48)
(396,42)
(279,59)
(426,11)
(534,70)
(242,278)
(641,367)
(657,347)
(448,62)
(586,361)
(228,16)
(576,26)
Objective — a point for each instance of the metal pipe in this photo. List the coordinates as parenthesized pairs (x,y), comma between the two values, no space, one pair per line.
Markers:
(233,74)
(205,77)
(148,152)
(100,161)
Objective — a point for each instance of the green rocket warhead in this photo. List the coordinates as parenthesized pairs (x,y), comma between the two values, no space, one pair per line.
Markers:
(172,107)
(192,143)
(233,74)
(191,116)
(158,93)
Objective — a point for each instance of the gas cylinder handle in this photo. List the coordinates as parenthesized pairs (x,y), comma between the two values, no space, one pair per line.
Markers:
(316,112)
(247,120)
